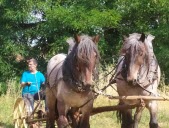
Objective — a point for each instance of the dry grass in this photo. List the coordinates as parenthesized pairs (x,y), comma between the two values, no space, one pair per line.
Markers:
(101,120)
(109,120)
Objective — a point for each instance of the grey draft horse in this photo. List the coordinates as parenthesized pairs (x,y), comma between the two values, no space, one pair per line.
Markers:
(69,83)
(138,73)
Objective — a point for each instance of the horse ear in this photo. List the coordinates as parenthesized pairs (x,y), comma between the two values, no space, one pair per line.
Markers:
(124,37)
(77,38)
(142,38)
(150,37)
(96,39)
(70,41)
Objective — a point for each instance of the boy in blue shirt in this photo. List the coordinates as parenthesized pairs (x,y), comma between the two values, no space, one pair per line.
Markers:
(31,82)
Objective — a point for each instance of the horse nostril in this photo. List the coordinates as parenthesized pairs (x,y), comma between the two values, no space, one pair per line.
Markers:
(88,85)
(130,82)
(134,82)
(129,79)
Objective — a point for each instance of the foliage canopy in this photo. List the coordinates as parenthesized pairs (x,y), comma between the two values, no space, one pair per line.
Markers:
(39,28)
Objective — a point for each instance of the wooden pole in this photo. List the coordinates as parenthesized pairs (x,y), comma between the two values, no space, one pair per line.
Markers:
(159,98)
(36,120)
(97,110)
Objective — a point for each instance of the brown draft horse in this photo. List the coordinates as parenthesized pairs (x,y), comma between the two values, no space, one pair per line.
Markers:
(138,73)
(70,79)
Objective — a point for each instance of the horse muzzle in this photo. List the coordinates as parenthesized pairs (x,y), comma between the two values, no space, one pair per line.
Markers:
(87,84)
(132,81)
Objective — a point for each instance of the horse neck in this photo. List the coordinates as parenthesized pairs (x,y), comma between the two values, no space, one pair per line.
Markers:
(69,68)
(72,76)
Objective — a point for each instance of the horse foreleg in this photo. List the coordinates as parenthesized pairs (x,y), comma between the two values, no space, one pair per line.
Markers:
(153,108)
(62,121)
(125,117)
(127,121)
(137,116)
(85,116)
(51,103)
(84,120)
(74,116)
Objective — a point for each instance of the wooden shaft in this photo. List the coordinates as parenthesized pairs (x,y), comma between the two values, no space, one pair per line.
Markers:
(97,110)
(35,108)
(159,98)
(35,120)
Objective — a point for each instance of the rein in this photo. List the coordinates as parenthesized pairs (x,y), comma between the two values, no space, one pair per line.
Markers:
(77,86)
(146,86)
(146,82)
(100,92)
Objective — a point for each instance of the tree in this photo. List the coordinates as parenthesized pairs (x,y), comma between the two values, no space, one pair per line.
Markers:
(148,16)
(40,28)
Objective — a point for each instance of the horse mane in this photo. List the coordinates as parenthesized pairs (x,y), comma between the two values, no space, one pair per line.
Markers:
(133,39)
(84,49)
(71,43)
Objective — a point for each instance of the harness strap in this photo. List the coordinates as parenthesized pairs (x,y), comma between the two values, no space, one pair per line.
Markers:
(47,81)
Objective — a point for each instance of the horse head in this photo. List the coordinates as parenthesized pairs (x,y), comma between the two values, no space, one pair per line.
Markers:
(136,53)
(87,57)
(81,61)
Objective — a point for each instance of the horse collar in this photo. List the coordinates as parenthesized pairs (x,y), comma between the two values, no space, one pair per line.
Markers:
(77,86)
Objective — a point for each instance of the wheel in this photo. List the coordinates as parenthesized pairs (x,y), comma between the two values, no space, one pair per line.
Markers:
(22,110)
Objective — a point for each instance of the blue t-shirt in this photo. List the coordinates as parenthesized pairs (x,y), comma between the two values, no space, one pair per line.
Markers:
(36,80)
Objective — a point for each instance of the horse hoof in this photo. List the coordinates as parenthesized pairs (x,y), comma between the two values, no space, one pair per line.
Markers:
(154,125)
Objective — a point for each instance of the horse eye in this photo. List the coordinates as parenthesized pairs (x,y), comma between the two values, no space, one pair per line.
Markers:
(95,55)
(77,68)
(127,52)
(141,53)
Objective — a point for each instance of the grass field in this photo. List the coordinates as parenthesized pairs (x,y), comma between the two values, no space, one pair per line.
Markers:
(108,119)
(101,120)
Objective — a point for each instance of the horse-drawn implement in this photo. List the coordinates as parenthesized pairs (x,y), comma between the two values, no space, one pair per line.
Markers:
(24,117)
(69,85)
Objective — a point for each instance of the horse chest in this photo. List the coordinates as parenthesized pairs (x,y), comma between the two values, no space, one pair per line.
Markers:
(125,89)
(72,98)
